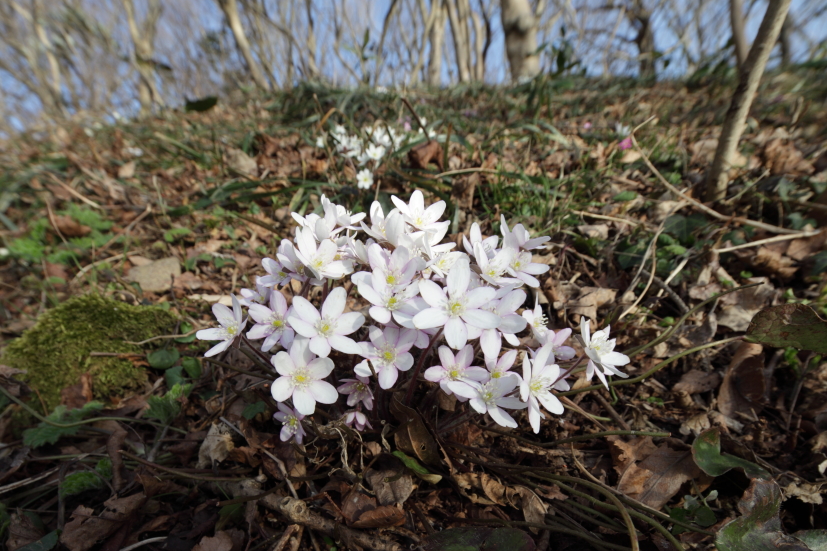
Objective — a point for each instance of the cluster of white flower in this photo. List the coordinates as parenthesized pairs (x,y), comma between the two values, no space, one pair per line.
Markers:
(369,148)
(421,294)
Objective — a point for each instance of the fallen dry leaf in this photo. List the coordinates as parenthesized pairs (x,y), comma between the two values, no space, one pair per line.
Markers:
(695,381)
(381,517)
(216,446)
(742,391)
(220,542)
(738,309)
(85,529)
(126,170)
(424,154)
(68,227)
(391,482)
(22,531)
(808,493)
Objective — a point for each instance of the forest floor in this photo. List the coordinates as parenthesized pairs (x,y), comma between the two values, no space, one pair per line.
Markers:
(118,238)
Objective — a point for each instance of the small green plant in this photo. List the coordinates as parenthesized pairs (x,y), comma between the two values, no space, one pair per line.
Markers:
(694,510)
(82,481)
(167,407)
(46,433)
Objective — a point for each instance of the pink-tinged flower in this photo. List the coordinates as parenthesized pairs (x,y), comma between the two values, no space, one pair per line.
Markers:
(493,268)
(456,308)
(491,398)
(587,125)
(302,378)
(539,377)
(291,423)
(537,322)
(387,301)
(519,237)
(489,244)
(500,367)
(357,390)
(322,258)
(396,269)
(232,322)
(259,295)
(625,143)
(328,329)
(357,420)
(290,262)
(388,353)
(556,340)
(506,302)
(276,274)
(384,228)
(421,218)
(603,360)
(524,269)
(271,323)
(455,368)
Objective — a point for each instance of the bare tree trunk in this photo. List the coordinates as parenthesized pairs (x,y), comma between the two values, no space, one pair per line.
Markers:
(436,40)
(645,38)
(312,69)
(230,9)
(380,51)
(785,41)
(736,16)
(461,44)
(749,78)
(520,28)
(143,40)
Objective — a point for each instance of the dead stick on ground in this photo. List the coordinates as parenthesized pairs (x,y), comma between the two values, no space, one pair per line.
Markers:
(297,512)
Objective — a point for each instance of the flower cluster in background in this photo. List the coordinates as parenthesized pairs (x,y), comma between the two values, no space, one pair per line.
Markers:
(369,147)
(452,316)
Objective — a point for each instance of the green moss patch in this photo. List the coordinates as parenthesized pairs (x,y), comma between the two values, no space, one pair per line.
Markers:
(55,352)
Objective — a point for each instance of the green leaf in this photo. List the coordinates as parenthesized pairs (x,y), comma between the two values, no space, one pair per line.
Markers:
(795,325)
(80,482)
(163,358)
(251,410)
(478,538)
(814,539)
(706,451)
(166,408)
(174,233)
(45,543)
(627,195)
(418,469)
(186,328)
(682,226)
(44,433)
(192,366)
(174,376)
(202,104)
(705,517)
(759,529)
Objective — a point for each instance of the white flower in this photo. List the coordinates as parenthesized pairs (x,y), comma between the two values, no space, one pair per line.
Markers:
(364,179)
(259,295)
(603,360)
(539,377)
(491,397)
(301,378)
(456,309)
(524,269)
(320,141)
(489,244)
(421,218)
(322,259)
(388,353)
(375,152)
(291,423)
(537,322)
(493,268)
(519,237)
(402,304)
(232,323)
(357,390)
(505,305)
(328,329)
(455,368)
(556,340)
(271,324)
(499,367)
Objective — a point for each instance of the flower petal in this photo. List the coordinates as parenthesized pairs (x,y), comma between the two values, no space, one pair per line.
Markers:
(302,327)
(344,344)
(500,417)
(456,334)
(481,318)
(320,346)
(348,323)
(323,392)
(305,310)
(334,304)
(430,317)
(320,368)
(218,348)
(479,297)
(212,334)
(432,293)
(304,402)
(281,389)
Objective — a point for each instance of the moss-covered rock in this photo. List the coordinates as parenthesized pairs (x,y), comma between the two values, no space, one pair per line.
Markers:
(55,352)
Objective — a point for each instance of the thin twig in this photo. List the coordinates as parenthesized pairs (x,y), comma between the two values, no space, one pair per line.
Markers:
(777,238)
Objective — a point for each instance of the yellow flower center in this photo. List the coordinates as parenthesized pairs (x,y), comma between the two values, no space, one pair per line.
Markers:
(391,279)
(277,323)
(455,308)
(388,356)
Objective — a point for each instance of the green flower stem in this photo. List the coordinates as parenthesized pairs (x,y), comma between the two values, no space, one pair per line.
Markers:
(602,434)
(655,369)
(669,332)
(43,419)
